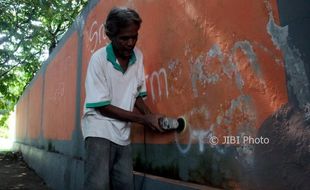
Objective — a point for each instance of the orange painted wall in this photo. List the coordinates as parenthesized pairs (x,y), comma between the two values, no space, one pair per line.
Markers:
(212,62)
(215,62)
(22,118)
(198,59)
(35,105)
(60,93)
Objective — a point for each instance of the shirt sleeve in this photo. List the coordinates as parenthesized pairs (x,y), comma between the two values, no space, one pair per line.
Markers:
(142,86)
(96,85)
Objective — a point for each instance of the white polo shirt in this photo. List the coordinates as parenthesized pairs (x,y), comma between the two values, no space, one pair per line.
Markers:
(106,83)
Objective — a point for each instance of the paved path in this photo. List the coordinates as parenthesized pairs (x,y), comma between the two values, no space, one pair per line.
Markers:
(15,174)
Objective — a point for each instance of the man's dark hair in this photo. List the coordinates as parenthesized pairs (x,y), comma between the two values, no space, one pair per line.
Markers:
(120,17)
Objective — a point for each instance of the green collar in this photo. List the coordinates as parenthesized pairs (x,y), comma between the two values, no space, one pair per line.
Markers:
(111,57)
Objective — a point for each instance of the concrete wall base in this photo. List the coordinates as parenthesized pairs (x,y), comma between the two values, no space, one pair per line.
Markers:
(61,171)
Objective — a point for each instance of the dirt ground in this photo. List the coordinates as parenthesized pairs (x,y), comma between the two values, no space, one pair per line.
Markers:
(15,173)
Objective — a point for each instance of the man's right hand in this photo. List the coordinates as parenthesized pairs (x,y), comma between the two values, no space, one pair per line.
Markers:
(151,120)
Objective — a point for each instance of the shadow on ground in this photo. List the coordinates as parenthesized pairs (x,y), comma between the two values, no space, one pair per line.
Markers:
(15,173)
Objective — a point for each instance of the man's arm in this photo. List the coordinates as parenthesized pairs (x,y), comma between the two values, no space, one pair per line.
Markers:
(150,120)
(141,106)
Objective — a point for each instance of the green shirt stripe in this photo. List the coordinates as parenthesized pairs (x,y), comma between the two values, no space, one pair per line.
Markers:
(142,94)
(97,104)
(112,58)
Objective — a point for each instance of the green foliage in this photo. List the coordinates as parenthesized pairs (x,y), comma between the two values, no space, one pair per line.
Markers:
(29,30)
(4,133)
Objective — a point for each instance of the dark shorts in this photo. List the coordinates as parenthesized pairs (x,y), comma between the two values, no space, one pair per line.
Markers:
(107,165)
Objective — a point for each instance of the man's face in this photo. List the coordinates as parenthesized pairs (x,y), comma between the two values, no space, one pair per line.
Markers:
(125,41)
